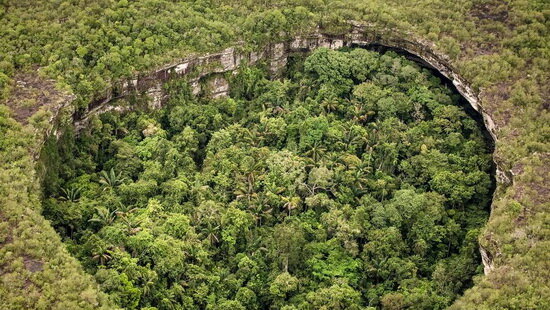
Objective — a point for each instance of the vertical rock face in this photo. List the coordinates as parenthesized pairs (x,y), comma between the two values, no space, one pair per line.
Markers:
(487,260)
(196,69)
(179,69)
(279,56)
(157,96)
(227,60)
(196,87)
(217,87)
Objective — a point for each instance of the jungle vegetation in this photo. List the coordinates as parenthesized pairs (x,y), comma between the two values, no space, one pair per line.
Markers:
(499,47)
(356,181)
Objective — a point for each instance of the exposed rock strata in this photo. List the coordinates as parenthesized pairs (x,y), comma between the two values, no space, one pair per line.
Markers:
(196,68)
(487,260)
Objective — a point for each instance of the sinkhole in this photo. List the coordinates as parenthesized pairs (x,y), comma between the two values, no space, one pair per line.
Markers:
(358,178)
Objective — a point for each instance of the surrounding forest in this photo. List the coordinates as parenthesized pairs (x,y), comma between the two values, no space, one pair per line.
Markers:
(356,181)
(314,235)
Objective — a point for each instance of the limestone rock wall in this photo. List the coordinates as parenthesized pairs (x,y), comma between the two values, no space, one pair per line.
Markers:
(197,68)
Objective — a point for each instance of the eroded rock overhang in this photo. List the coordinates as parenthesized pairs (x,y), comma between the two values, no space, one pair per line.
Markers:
(276,54)
(197,68)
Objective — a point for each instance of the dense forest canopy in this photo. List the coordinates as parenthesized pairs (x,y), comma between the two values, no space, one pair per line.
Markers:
(86,46)
(51,50)
(356,181)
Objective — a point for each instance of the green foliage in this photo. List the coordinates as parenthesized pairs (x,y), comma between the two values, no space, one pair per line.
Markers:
(37,270)
(276,197)
(499,47)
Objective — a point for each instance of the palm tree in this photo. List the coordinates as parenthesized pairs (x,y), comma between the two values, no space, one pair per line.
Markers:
(351,138)
(123,211)
(332,160)
(111,179)
(253,137)
(316,151)
(101,255)
(211,232)
(329,105)
(258,209)
(245,190)
(132,223)
(71,194)
(360,178)
(359,113)
(103,216)
(168,302)
(246,185)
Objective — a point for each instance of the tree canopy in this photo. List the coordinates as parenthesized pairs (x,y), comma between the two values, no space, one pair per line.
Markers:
(500,48)
(357,182)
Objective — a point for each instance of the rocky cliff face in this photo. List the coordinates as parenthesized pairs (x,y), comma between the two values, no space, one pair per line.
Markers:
(197,69)
(206,75)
